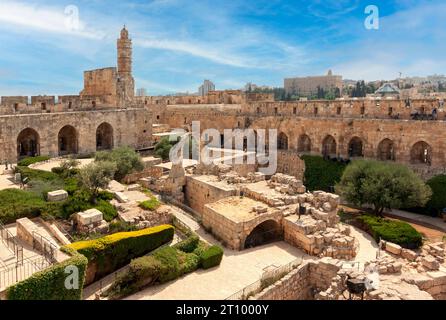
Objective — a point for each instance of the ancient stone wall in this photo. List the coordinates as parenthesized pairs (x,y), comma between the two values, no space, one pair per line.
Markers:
(40,133)
(290,163)
(343,128)
(303,282)
(199,193)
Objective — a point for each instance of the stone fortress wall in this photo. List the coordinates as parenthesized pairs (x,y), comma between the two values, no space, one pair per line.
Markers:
(104,115)
(382,129)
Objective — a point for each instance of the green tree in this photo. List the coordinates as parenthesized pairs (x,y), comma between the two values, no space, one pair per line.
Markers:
(126,159)
(96,176)
(163,147)
(383,185)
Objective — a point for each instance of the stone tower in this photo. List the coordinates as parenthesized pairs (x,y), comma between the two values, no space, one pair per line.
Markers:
(126,83)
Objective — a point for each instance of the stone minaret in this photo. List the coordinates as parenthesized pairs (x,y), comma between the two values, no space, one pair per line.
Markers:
(126,83)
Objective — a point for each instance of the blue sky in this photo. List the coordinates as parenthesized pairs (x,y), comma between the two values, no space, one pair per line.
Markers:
(179,43)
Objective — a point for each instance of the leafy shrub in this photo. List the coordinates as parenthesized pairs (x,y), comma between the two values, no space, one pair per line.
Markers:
(163,147)
(398,232)
(321,174)
(49,284)
(16,204)
(127,161)
(79,201)
(114,251)
(188,245)
(31,160)
(437,202)
(71,185)
(150,205)
(121,226)
(211,257)
(108,210)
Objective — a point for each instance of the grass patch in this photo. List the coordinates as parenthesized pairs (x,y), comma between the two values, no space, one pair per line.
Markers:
(150,205)
(16,204)
(31,160)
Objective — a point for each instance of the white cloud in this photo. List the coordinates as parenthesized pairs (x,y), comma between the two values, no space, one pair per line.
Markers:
(40,18)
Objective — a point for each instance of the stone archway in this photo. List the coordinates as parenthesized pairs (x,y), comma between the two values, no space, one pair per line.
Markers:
(282,141)
(421,153)
(355,148)
(104,137)
(265,232)
(386,150)
(329,146)
(304,143)
(67,140)
(28,143)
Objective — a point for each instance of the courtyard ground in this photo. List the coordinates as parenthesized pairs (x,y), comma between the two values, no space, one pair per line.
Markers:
(237,270)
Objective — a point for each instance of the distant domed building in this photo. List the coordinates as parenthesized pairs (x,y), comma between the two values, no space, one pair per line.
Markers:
(387,89)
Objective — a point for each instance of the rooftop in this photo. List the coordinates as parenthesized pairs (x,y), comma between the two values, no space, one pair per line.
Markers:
(239,209)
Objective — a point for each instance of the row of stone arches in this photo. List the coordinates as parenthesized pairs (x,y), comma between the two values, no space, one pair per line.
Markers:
(420,152)
(28,140)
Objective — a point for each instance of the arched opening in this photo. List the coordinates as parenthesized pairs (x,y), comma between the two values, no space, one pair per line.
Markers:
(282,141)
(304,143)
(104,137)
(355,148)
(329,146)
(67,140)
(266,232)
(28,143)
(421,153)
(386,150)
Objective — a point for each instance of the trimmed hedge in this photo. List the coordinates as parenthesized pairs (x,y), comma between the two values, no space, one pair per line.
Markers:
(165,264)
(49,284)
(211,257)
(398,232)
(112,252)
(31,160)
(321,174)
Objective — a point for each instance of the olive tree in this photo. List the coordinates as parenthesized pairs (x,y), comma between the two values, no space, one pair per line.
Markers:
(126,159)
(383,185)
(97,175)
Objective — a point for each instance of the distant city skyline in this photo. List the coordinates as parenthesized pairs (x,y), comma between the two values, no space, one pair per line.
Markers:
(178,44)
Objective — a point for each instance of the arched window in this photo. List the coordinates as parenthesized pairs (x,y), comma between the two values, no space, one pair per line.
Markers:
(386,150)
(421,153)
(28,143)
(304,143)
(67,140)
(104,137)
(329,146)
(282,141)
(355,148)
